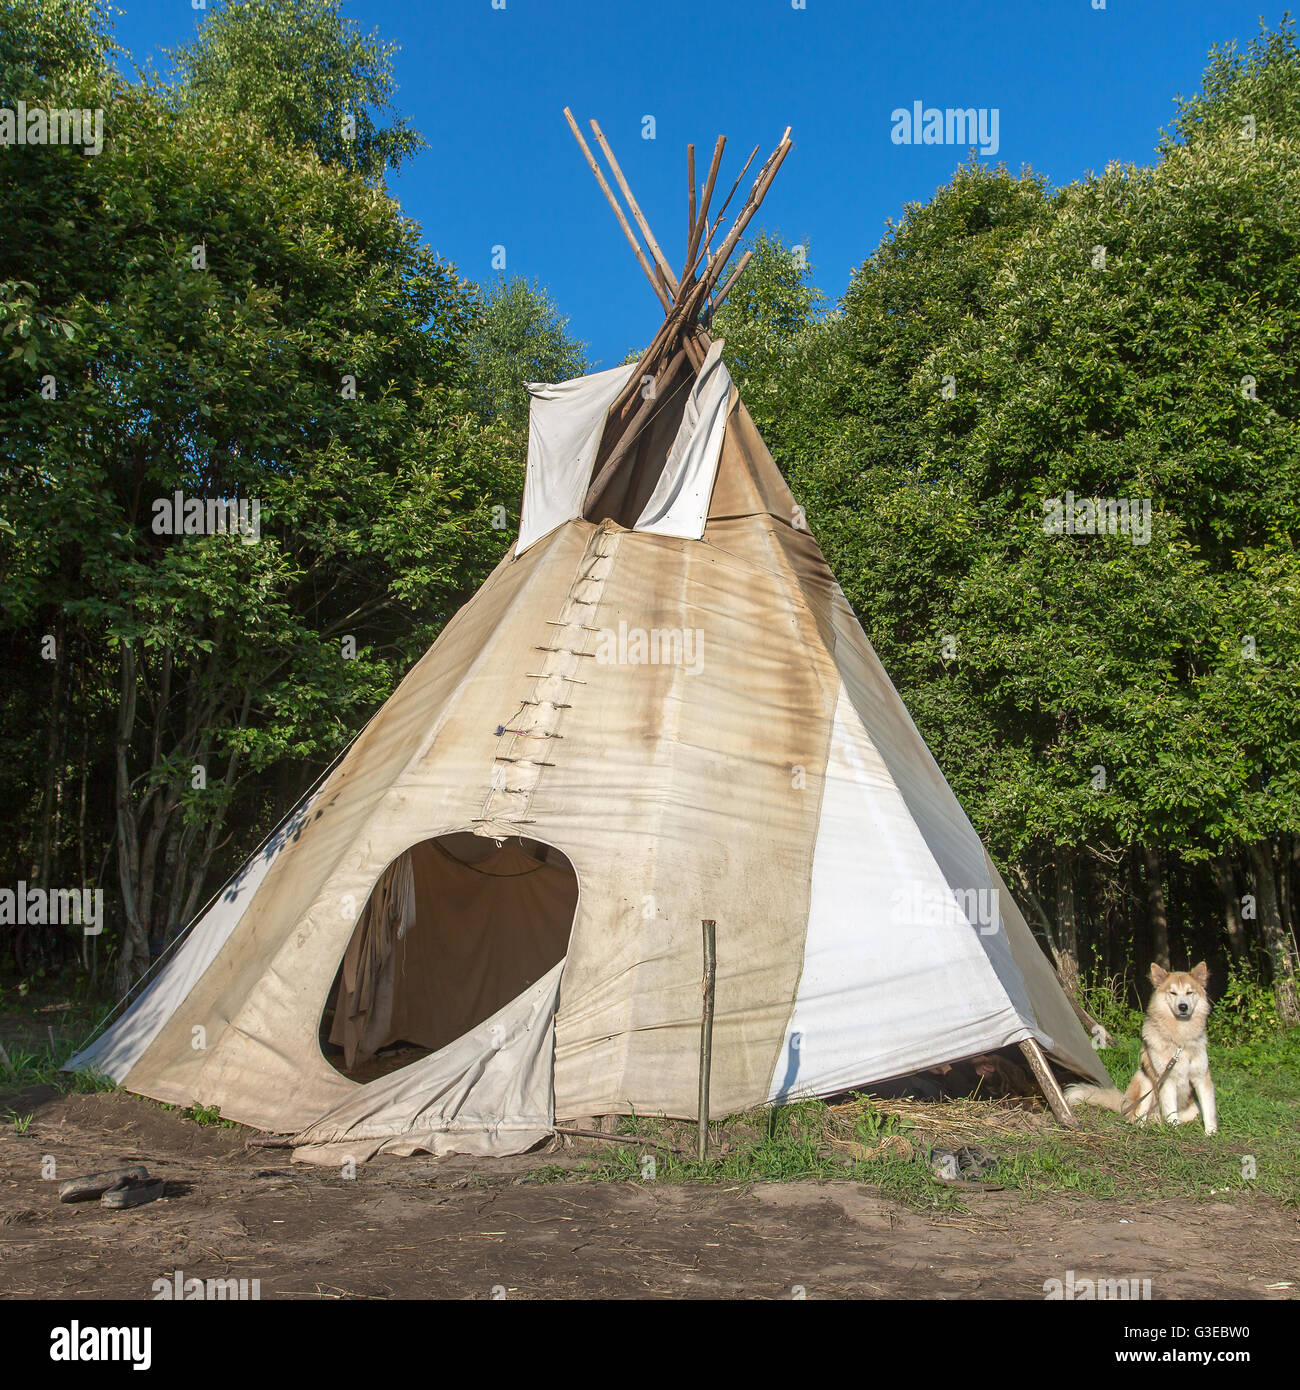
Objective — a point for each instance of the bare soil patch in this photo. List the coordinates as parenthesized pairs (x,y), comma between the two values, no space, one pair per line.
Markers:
(464,1228)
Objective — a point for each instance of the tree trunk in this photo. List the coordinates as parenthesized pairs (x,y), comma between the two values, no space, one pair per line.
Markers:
(1277,941)
(133,940)
(1230,905)
(83,877)
(1067,924)
(49,797)
(1284,887)
(34,945)
(1157,909)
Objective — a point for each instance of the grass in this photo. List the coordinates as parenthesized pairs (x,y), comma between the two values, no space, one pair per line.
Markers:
(208,1115)
(886,1143)
(857,1139)
(43,1067)
(40,1031)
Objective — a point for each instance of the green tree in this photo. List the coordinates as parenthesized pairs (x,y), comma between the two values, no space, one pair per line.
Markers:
(784,351)
(219,314)
(772,303)
(520,337)
(1144,346)
(305,74)
(44,47)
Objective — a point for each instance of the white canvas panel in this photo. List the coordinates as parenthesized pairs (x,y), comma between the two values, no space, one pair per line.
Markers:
(489,1092)
(679,505)
(565,422)
(116,1051)
(932,803)
(891,963)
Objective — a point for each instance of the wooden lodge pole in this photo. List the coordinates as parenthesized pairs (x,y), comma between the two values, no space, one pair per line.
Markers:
(637,215)
(690,192)
(731,280)
(664,298)
(702,215)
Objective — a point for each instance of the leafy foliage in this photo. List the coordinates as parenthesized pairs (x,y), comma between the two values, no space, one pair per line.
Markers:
(226,303)
(216,313)
(46,48)
(520,337)
(308,77)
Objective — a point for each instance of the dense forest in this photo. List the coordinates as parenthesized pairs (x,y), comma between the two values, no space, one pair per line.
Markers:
(1048,440)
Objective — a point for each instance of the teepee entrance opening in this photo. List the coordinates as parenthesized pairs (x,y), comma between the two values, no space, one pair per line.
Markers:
(454,929)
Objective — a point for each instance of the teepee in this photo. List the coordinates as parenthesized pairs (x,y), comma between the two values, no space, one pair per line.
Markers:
(658,709)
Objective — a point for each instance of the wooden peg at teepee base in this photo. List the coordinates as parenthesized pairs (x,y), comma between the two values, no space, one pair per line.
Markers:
(1048,1084)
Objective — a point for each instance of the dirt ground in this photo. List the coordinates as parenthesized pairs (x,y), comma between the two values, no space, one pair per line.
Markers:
(461,1228)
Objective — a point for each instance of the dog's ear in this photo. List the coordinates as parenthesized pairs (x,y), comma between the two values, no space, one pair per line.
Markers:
(1201,974)
(1158,976)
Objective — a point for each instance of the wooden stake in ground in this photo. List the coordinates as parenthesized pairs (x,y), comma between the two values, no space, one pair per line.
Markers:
(1047,1082)
(706,1032)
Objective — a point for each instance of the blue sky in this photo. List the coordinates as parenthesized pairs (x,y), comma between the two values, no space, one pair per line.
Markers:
(1074,88)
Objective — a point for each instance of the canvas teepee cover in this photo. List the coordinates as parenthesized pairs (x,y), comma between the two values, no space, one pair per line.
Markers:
(659,708)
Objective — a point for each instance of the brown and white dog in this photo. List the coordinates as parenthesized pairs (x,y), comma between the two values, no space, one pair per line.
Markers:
(1174,1063)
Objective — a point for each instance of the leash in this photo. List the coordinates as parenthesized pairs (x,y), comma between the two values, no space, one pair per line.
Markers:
(1164,1076)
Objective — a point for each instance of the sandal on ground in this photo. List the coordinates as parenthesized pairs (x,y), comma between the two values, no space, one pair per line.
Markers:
(135,1192)
(95,1184)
